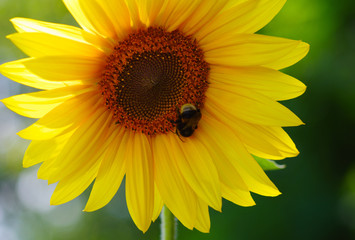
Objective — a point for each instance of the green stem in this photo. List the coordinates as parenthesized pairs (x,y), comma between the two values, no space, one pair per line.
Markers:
(168,225)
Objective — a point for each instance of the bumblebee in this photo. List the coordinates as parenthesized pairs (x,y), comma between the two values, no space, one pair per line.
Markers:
(187,121)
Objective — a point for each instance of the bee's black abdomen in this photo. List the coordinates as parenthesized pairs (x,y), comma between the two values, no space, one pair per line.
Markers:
(186,132)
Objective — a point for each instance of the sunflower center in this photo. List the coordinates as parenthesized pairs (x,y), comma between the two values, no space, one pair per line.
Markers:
(150,75)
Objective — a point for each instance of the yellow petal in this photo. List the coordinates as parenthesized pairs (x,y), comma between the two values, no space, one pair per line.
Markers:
(149,10)
(255,137)
(268,82)
(63,118)
(75,182)
(111,172)
(19,73)
(77,169)
(38,44)
(264,141)
(176,12)
(264,12)
(158,204)
(204,13)
(74,7)
(134,11)
(237,196)
(97,17)
(279,137)
(175,192)
(44,151)
(73,185)
(37,104)
(61,30)
(227,20)
(293,57)
(252,50)
(49,164)
(252,107)
(140,181)
(203,222)
(227,174)
(233,187)
(61,68)
(249,170)
(55,168)
(117,13)
(105,18)
(244,17)
(85,147)
(198,169)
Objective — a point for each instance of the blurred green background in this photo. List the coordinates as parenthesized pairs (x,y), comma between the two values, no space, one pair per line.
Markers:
(318,200)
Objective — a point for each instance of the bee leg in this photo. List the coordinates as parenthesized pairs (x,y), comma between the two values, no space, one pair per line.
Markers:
(173,131)
(177,110)
(181,138)
(177,133)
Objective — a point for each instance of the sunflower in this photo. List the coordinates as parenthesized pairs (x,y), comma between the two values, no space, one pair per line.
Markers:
(115,90)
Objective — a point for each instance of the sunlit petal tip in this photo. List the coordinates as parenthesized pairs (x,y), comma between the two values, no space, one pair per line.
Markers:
(278,193)
(29,133)
(5,101)
(16,20)
(201,167)
(55,200)
(87,209)
(204,229)
(33,156)
(289,154)
(302,89)
(218,206)
(305,46)
(2,67)
(91,207)
(143,226)
(73,185)
(293,153)
(23,134)
(30,25)
(26,164)
(296,152)
(271,192)
(298,52)
(296,121)
(301,50)
(203,222)
(10,35)
(158,204)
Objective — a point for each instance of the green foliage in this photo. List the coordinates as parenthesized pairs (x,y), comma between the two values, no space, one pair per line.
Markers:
(268,164)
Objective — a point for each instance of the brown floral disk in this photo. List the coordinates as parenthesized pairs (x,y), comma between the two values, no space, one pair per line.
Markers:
(150,75)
